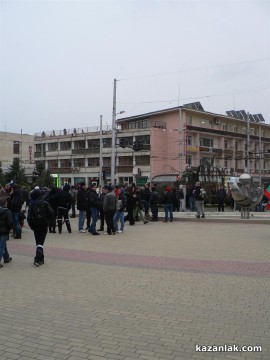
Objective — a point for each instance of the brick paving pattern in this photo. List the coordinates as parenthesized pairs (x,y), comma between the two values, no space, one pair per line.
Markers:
(151,293)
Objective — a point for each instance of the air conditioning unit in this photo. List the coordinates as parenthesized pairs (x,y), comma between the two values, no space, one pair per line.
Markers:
(217,121)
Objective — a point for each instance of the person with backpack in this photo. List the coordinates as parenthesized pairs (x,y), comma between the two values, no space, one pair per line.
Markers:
(40,214)
(6,223)
(199,195)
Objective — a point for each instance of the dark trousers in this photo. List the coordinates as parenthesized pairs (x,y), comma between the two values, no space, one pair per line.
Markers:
(88,217)
(109,221)
(63,213)
(221,205)
(129,216)
(40,236)
(101,217)
(154,209)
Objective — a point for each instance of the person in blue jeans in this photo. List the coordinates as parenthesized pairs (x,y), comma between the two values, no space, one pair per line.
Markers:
(94,206)
(119,214)
(168,204)
(6,224)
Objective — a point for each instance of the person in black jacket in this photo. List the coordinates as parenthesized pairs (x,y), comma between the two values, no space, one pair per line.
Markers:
(16,202)
(63,202)
(168,204)
(82,202)
(94,207)
(39,223)
(6,223)
(153,202)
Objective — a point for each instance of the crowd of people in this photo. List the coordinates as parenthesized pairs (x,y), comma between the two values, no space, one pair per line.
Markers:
(109,208)
(49,208)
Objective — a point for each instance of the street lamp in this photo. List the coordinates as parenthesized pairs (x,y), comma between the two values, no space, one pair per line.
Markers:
(114,133)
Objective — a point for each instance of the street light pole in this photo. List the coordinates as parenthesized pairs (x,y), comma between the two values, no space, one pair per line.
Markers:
(100,151)
(248,143)
(113,134)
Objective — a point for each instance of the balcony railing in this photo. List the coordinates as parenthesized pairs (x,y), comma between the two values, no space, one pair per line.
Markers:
(62,170)
(85,151)
(39,154)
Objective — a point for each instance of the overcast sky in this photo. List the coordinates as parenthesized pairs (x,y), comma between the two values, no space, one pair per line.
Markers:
(59,58)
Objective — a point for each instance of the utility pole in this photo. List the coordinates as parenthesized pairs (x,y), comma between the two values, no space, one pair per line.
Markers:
(100,152)
(113,134)
(248,143)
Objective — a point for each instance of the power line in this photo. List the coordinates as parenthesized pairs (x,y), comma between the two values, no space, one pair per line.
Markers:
(197,97)
(195,69)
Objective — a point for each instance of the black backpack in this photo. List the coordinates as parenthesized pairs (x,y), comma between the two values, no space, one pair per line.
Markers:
(40,214)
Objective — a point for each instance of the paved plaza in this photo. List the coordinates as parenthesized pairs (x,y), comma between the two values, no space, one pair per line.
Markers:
(152,293)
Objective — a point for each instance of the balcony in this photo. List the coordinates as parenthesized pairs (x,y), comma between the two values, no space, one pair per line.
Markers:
(124,169)
(39,154)
(85,151)
(239,154)
(62,170)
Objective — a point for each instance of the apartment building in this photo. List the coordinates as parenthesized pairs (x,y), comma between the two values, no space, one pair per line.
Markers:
(19,146)
(174,140)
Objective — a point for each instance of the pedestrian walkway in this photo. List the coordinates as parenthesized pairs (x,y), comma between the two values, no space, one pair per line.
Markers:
(152,293)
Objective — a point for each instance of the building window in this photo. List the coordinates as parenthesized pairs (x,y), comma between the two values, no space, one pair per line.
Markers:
(65,163)
(107,142)
(93,144)
(226,164)
(142,160)
(206,142)
(79,144)
(188,120)
(93,162)
(141,124)
(189,162)
(65,145)
(225,127)
(125,141)
(204,160)
(235,129)
(125,160)
(236,145)
(189,140)
(106,161)
(52,164)
(16,147)
(53,146)
(79,162)
(225,144)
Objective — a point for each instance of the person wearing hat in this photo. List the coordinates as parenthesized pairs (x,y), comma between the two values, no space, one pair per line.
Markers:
(168,204)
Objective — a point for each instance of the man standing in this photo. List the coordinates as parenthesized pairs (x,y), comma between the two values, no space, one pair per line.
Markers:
(199,195)
(153,202)
(40,214)
(6,224)
(82,200)
(168,204)
(221,194)
(94,206)
(109,208)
